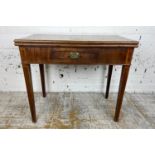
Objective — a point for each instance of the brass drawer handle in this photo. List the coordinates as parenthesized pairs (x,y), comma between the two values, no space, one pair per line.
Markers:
(74,55)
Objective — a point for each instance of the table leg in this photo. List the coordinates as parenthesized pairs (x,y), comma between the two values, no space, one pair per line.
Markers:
(29,86)
(42,75)
(108,80)
(122,85)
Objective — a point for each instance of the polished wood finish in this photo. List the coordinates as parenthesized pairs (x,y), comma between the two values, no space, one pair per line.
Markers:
(123,81)
(75,49)
(108,80)
(42,76)
(57,55)
(29,87)
(75,41)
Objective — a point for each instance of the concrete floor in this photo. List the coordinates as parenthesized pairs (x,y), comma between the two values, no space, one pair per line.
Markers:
(77,110)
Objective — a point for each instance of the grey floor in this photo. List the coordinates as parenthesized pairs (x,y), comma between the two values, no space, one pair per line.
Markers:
(77,110)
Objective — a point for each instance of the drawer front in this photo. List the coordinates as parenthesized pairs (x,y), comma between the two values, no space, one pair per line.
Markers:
(74,55)
(66,55)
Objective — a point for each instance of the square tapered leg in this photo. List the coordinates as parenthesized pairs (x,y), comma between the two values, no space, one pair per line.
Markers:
(42,76)
(108,80)
(29,87)
(122,85)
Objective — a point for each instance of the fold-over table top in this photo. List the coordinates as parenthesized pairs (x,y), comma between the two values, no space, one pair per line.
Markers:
(75,40)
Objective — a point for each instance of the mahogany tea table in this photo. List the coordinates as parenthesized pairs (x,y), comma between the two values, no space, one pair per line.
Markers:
(75,49)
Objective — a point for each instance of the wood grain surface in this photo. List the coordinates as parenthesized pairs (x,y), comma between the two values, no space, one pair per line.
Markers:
(76,40)
(75,49)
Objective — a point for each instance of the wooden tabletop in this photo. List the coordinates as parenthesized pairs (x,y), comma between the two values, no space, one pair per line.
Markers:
(55,39)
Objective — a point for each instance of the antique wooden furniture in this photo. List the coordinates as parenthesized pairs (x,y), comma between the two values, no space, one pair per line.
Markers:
(75,49)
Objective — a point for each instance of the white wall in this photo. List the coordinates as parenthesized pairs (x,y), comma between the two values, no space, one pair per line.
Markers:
(79,78)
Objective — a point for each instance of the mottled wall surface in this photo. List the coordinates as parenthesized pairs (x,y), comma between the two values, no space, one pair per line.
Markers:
(84,77)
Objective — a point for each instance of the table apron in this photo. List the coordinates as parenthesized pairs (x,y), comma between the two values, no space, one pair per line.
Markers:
(74,55)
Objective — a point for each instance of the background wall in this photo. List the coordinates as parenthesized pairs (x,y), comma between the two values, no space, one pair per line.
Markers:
(79,78)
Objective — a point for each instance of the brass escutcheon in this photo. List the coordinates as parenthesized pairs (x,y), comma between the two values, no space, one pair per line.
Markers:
(74,55)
